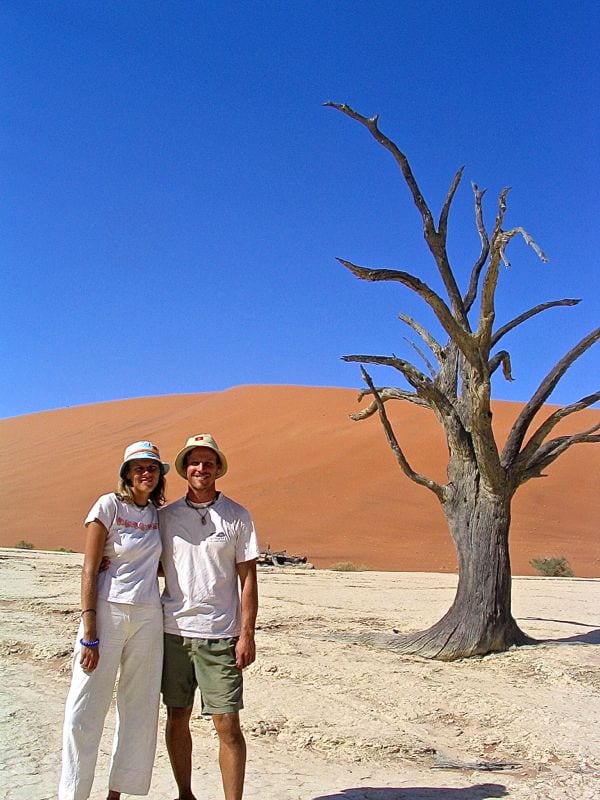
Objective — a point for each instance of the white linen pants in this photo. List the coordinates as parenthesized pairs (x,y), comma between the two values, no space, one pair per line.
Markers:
(131,638)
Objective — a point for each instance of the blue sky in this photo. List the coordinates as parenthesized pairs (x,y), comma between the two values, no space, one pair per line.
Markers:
(175,193)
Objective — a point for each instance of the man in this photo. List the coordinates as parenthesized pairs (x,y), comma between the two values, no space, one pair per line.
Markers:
(209,554)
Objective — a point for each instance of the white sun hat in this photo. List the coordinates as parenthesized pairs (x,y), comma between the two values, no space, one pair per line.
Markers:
(142,449)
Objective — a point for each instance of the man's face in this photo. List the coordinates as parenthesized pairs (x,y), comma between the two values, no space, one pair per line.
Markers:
(201,468)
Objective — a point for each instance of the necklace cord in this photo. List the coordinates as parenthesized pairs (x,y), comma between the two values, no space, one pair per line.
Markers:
(201,507)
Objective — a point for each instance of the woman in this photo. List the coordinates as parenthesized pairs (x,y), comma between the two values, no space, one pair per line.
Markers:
(121,627)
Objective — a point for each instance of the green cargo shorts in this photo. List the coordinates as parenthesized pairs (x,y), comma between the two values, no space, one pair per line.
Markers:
(207,664)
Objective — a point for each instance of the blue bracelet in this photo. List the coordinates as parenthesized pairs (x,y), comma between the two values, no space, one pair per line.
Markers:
(94,643)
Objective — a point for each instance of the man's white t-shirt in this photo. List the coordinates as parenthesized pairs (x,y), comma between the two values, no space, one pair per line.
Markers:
(201,596)
(133,546)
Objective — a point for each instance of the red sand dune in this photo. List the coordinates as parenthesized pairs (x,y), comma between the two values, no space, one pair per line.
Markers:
(317,483)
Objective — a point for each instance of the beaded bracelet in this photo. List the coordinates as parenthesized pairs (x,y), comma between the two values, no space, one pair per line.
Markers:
(93,643)
(88,611)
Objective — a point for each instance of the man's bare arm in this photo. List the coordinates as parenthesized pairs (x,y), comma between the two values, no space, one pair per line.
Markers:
(245,650)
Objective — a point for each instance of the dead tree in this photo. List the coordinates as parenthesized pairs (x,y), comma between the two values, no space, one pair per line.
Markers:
(456,387)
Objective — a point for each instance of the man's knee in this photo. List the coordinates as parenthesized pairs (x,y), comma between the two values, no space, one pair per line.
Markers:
(228,728)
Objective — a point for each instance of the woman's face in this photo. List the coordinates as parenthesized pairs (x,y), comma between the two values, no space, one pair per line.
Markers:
(143,474)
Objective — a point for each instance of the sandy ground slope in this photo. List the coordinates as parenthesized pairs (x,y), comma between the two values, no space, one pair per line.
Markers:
(329,720)
(317,483)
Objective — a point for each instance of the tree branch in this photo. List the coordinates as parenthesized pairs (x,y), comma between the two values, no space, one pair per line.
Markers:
(443,221)
(508,235)
(429,340)
(416,378)
(385,394)
(490,280)
(528,453)
(501,211)
(546,387)
(553,449)
(456,435)
(462,337)
(503,357)
(528,314)
(419,351)
(370,124)
(422,480)
(500,240)
(471,294)
(436,240)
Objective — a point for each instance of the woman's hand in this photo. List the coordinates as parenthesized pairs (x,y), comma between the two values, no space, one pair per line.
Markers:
(89,658)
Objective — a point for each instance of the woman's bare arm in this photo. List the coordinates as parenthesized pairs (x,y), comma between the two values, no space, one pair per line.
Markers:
(94,548)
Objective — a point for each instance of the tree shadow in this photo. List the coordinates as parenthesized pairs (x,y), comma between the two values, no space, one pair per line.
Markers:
(591,637)
(562,621)
(480,791)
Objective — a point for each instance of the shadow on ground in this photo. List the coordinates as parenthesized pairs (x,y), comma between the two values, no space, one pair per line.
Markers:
(480,791)
(591,637)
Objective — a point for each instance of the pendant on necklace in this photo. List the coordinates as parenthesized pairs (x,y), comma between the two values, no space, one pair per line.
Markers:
(199,511)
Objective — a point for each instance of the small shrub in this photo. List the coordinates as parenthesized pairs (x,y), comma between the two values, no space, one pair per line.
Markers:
(23,545)
(348,566)
(63,550)
(557,567)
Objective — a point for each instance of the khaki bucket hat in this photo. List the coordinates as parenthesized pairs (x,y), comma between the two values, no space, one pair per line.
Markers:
(200,440)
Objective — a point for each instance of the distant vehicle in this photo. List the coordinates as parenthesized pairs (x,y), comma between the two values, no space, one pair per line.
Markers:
(281,558)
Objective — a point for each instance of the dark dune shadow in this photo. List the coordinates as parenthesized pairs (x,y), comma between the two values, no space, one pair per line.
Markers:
(480,791)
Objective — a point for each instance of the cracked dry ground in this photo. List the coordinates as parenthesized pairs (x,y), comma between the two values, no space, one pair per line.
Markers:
(326,718)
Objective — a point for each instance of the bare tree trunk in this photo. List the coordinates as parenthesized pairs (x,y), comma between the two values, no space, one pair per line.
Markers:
(480,619)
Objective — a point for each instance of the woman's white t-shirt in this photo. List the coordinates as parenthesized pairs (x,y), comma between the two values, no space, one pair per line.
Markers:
(133,546)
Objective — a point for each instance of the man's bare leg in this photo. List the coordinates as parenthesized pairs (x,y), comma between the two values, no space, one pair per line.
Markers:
(232,754)
(179,746)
